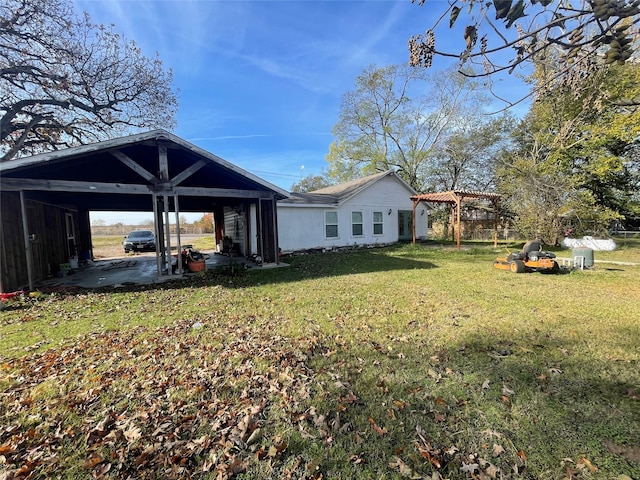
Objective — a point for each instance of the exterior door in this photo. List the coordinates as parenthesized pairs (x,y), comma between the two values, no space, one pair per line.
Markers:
(71,235)
(405,225)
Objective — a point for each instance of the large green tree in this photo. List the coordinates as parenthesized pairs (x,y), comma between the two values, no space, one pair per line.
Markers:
(403,118)
(311,182)
(577,164)
(534,189)
(66,81)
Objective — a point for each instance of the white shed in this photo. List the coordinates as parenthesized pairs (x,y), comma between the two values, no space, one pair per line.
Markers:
(375,210)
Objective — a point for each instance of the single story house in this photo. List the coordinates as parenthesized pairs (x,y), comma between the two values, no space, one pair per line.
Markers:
(375,210)
(45,201)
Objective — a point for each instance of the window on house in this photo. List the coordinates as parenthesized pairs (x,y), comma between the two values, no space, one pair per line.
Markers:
(356,224)
(377,223)
(331,224)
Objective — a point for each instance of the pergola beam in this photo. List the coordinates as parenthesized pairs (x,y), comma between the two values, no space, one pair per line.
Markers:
(455,199)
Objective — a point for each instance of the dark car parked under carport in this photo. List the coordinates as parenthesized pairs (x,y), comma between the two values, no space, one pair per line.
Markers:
(139,240)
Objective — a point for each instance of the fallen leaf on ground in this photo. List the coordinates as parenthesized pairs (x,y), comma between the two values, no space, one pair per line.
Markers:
(522,456)
(380,431)
(584,462)
(93,460)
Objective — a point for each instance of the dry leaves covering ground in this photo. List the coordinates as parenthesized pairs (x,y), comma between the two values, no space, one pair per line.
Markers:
(142,404)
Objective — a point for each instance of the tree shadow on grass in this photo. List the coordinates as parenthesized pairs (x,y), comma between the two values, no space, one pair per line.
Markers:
(239,274)
(522,403)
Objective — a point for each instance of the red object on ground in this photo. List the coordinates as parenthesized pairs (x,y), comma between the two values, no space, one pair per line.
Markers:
(7,296)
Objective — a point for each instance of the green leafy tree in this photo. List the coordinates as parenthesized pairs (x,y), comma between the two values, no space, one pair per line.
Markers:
(534,190)
(593,136)
(577,162)
(501,35)
(311,182)
(400,118)
(65,81)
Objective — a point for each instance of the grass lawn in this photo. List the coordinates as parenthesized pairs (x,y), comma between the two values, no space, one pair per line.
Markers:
(400,362)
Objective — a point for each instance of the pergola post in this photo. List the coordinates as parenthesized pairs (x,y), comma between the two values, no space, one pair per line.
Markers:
(458,215)
(413,224)
(453,222)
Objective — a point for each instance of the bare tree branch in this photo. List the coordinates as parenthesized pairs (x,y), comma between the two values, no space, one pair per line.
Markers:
(66,81)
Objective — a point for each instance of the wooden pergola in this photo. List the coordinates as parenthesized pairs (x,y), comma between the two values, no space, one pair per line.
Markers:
(455,199)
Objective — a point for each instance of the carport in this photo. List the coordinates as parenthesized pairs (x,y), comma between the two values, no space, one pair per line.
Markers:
(154,171)
(454,198)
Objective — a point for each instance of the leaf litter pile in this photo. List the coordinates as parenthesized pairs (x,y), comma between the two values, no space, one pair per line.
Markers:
(204,400)
(171,403)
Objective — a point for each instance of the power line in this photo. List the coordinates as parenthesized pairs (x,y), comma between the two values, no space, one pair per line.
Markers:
(284,175)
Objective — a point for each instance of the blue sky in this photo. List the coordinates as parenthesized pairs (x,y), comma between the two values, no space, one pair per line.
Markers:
(260,82)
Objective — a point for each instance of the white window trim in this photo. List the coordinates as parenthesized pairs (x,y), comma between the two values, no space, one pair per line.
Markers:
(337,224)
(361,223)
(374,223)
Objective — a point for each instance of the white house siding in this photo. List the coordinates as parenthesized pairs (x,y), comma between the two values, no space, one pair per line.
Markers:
(302,227)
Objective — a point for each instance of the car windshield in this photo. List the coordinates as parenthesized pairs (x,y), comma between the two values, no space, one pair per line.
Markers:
(140,234)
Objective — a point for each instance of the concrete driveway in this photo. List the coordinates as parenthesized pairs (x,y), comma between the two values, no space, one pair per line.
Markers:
(135,269)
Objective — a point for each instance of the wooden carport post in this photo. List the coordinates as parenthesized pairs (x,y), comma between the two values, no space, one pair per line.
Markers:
(179,240)
(162,224)
(156,227)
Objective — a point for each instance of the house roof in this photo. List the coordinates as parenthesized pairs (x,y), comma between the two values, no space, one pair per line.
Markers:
(315,199)
(120,173)
(337,194)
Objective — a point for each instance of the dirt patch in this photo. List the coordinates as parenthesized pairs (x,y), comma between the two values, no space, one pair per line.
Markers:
(631,452)
(108,251)
(115,251)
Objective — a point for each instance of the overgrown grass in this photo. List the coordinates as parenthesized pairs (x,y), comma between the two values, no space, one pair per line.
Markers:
(402,362)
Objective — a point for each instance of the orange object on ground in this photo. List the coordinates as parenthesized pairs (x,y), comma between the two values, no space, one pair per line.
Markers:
(196,265)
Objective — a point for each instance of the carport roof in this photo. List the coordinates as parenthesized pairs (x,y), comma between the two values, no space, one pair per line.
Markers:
(121,173)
